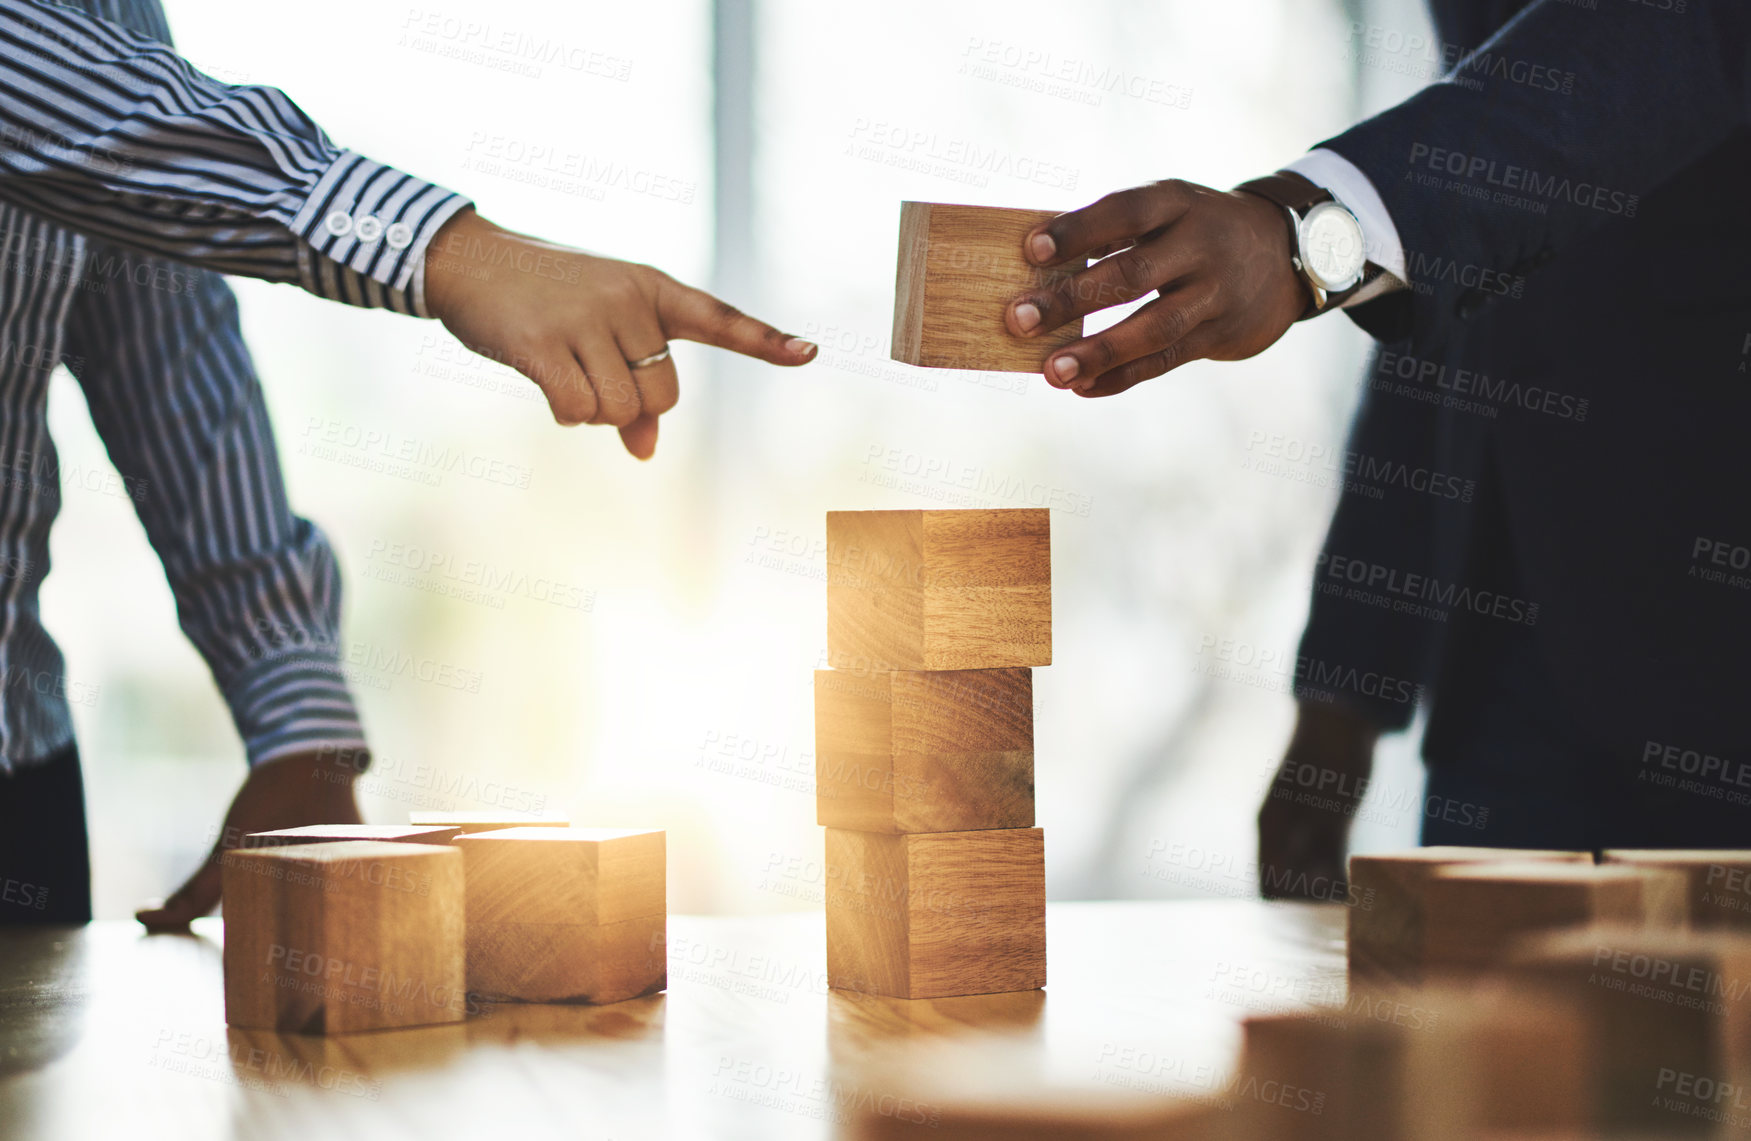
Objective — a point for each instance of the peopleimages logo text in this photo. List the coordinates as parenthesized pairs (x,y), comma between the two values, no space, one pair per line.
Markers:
(1425,588)
(1510,176)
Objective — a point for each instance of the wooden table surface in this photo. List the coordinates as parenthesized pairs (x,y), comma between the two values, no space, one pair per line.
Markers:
(108,1032)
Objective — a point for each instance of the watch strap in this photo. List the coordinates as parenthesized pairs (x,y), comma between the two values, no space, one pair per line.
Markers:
(1288,190)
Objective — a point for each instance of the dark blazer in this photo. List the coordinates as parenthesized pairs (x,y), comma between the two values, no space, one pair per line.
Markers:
(1575,204)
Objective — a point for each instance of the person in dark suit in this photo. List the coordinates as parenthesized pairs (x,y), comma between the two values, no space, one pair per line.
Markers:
(1548,245)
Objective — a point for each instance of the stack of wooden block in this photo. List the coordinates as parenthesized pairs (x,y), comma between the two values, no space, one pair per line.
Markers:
(337,928)
(924,750)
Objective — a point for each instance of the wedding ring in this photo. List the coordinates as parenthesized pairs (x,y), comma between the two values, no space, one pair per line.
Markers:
(654,358)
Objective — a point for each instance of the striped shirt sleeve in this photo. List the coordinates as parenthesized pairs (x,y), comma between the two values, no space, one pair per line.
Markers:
(113,134)
(175,396)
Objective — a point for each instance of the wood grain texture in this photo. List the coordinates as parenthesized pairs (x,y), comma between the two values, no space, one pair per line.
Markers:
(1718,882)
(959,268)
(482,821)
(939,590)
(1657,1004)
(913,751)
(935,914)
(339,937)
(334,833)
(565,914)
(553,962)
(1474,914)
(1385,928)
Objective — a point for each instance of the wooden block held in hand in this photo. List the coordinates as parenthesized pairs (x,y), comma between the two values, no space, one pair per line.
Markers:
(960,267)
(1668,1014)
(469,822)
(936,914)
(335,833)
(1385,941)
(565,914)
(1718,881)
(939,590)
(919,751)
(1474,913)
(332,938)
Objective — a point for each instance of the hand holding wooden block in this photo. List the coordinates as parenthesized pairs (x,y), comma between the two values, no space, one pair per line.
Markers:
(333,938)
(1474,913)
(565,914)
(939,590)
(1386,924)
(469,822)
(335,833)
(908,751)
(936,914)
(960,267)
(1718,882)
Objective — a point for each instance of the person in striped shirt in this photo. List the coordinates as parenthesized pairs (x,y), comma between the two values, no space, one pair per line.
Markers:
(129,184)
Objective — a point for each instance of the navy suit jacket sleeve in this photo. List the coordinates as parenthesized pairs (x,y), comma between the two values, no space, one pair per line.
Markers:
(1557,124)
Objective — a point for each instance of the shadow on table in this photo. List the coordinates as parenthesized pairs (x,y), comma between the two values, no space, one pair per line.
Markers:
(855,1019)
(358,1063)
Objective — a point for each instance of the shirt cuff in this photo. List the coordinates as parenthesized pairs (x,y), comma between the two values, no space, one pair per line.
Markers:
(365,228)
(1332,171)
(294,703)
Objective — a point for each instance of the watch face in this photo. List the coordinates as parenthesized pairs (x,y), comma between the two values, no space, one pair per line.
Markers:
(1331,246)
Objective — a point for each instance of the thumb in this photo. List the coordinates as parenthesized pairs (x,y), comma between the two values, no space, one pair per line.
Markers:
(189,902)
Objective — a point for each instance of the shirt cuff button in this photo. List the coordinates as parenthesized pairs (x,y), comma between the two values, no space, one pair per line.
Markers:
(339,223)
(399,236)
(369,229)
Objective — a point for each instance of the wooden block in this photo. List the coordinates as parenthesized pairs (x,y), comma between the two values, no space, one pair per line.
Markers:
(935,914)
(961,1087)
(1667,1014)
(333,938)
(914,751)
(1332,1080)
(334,833)
(1527,1056)
(565,914)
(468,822)
(1474,913)
(959,268)
(1425,1063)
(1718,882)
(1039,1115)
(939,590)
(1385,940)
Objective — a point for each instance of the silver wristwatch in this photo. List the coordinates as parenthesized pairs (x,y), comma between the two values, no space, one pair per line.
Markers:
(1327,247)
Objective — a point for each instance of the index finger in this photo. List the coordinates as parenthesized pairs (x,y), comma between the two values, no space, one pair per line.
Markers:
(1119,218)
(695,315)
